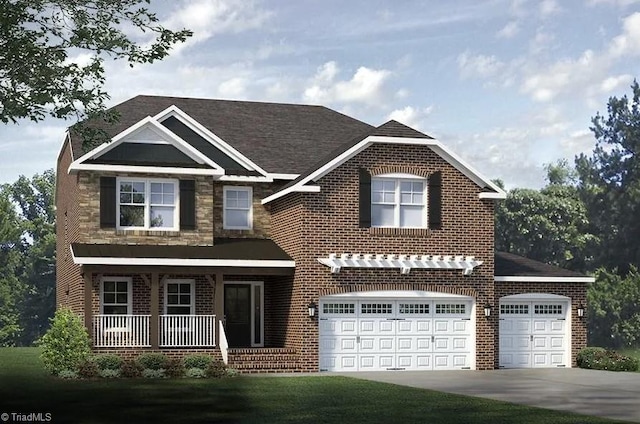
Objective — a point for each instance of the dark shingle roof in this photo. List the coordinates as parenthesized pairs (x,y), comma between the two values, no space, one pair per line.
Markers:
(247,249)
(280,138)
(510,265)
(396,129)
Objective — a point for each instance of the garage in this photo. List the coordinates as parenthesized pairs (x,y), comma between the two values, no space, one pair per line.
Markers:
(534,331)
(396,330)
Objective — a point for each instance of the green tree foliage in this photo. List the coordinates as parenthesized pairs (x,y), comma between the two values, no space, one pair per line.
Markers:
(38,38)
(11,288)
(66,344)
(549,225)
(609,182)
(613,313)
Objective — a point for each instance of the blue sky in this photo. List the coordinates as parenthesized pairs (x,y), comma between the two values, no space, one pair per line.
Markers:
(508,85)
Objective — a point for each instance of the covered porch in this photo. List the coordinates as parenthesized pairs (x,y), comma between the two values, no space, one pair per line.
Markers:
(183,297)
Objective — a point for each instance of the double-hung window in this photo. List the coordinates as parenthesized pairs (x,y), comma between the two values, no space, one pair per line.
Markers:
(398,201)
(237,204)
(179,297)
(115,296)
(147,204)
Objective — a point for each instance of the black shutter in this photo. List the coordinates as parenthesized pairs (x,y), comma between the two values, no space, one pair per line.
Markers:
(107,202)
(365,198)
(435,200)
(187,204)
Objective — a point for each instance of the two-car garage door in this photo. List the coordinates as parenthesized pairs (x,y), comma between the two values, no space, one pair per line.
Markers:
(416,332)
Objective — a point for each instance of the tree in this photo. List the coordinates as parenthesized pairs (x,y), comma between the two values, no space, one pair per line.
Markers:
(549,225)
(34,198)
(609,182)
(11,289)
(37,37)
(613,314)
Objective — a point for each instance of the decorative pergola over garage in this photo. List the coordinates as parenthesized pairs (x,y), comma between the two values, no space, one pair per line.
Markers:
(404,262)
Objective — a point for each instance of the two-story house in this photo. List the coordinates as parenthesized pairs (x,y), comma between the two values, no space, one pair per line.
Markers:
(288,237)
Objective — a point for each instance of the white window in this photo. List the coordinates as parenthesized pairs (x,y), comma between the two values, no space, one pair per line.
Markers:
(398,201)
(179,297)
(147,204)
(237,204)
(115,296)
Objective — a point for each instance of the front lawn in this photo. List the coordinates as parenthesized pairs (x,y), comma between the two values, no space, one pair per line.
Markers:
(25,388)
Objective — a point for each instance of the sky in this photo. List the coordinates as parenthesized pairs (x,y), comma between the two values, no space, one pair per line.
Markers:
(509,85)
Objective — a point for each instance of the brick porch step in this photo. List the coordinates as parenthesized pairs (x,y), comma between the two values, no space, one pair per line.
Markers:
(263,360)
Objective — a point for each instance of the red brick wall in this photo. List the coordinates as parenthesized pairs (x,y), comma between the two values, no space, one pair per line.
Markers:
(313,225)
(577,292)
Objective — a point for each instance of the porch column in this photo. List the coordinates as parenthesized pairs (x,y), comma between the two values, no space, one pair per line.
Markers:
(88,303)
(219,304)
(155,307)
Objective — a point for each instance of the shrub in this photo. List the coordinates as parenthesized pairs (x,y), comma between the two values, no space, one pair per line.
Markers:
(88,369)
(108,362)
(196,373)
(149,373)
(197,361)
(598,358)
(131,369)
(68,374)
(216,369)
(109,373)
(66,344)
(152,361)
(174,369)
(232,372)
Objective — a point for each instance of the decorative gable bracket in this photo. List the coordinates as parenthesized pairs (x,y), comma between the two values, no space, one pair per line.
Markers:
(404,262)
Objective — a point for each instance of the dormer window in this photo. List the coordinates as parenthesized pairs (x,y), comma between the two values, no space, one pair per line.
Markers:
(399,201)
(147,204)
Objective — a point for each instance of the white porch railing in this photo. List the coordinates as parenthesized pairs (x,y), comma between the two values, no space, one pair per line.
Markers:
(224,344)
(121,331)
(187,330)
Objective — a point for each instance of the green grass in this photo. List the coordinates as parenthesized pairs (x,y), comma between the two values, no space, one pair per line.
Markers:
(25,387)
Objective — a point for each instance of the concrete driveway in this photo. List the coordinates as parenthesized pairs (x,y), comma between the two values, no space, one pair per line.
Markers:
(601,393)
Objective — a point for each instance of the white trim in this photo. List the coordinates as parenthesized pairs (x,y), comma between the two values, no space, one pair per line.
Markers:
(488,195)
(192,283)
(279,176)
(240,263)
(535,296)
(435,145)
(524,279)
(403,262)
(129,282)
(396,294)
(145,169)
(247,189)
(258,178)
(252,293)
(205,133)
(156,127)
(147,203)
(399,176)
(67,139)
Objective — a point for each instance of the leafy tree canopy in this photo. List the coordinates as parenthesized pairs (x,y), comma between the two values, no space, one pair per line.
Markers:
(37,38)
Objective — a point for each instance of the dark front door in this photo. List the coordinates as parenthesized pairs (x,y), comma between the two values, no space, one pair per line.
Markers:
(237,310)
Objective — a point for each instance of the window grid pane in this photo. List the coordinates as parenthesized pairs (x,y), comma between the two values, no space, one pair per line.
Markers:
(376,308)
(451,308)
(547,309)
(398,203)
(180,299)
(414,308)
(514,309)
(339,308)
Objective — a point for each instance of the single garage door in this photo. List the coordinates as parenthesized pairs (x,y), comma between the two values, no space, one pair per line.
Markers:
(534,333)
(392,333)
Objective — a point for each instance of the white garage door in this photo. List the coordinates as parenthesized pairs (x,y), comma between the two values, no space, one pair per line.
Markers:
(534,334)
(391,333)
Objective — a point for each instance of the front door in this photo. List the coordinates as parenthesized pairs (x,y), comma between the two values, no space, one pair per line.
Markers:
(237,311)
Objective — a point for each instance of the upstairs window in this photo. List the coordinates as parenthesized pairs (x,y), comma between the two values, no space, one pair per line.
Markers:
(398,201)
(147,204)
(237,205)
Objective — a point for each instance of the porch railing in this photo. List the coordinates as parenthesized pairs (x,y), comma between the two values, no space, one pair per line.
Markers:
(121,330)
(187,330)
(224,344)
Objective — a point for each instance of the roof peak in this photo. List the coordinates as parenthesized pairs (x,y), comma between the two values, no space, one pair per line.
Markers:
(393,128)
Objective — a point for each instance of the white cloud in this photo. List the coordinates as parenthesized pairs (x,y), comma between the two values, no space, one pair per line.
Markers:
(209,17)
(619,3)
(549,7)
(627,43)
(366,86)
(410,116)
(613,83)
(581,141)
(478,65)
(510,30)
(234,88)
(541,41)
